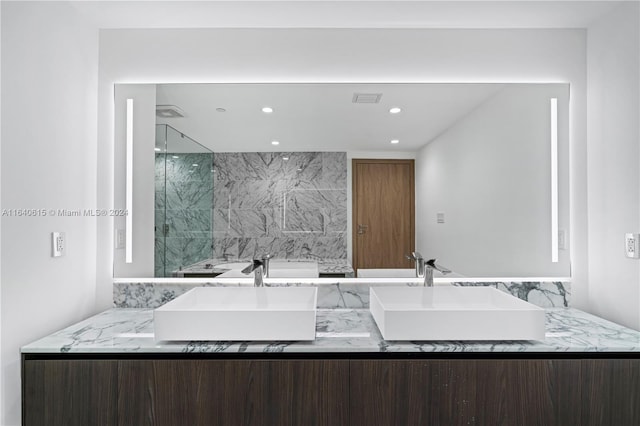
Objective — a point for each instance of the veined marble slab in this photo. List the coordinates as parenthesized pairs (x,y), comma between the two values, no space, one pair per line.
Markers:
(337,331)
(338,294)
(287,204)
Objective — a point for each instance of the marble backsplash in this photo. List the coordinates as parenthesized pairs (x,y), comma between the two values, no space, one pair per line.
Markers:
(334,295)
(290,205)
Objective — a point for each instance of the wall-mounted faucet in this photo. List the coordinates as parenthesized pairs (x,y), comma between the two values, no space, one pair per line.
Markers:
(424,269)
(260,268)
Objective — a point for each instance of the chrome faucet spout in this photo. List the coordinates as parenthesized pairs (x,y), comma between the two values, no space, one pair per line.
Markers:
(260,269)
(420,270)
(430,265)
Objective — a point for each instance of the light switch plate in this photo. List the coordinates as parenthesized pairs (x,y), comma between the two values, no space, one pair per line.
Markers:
(58,244)
(632,245)
(120,238)
(562,239)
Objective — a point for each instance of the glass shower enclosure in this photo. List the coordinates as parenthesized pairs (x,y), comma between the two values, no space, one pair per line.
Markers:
(183,201)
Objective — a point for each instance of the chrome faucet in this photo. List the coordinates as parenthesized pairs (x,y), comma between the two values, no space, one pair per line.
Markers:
(430,265)
(424,269)
(419,263)
(260,268)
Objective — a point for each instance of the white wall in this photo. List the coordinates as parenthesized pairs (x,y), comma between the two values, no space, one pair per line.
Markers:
(613,162)
(490,175)
(49,117)
(346,55)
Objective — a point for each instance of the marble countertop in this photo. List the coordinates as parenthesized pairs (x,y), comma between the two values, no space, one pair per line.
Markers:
(121,330)
(325,266)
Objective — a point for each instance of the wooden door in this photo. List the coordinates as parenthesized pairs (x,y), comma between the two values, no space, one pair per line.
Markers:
(383,213)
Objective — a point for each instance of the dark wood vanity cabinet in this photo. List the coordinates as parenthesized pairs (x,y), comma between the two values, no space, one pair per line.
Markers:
(73,392)
(382,391)
(189,392)
(233,392)
(496,392)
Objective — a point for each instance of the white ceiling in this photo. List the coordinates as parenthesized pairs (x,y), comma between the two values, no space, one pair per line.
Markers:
(343,14)
(318,117)
(331,122)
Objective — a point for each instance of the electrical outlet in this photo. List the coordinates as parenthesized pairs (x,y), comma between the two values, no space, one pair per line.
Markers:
(440,217)
(632,245)
(58,244)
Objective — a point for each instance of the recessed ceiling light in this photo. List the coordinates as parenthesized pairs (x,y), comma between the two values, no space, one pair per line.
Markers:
(395,110)
(267,110)
(194,165)
(221,110)
(285,158)
(275,143)
(157,149)
(175,156)
(395,141)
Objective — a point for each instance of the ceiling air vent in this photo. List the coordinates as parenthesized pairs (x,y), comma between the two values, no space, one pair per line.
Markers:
(366,98)
(168,111)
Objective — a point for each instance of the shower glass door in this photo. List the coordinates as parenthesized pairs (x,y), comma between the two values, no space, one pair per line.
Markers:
(183,202)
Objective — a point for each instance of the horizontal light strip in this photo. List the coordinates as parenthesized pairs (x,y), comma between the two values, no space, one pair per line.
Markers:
(332,281)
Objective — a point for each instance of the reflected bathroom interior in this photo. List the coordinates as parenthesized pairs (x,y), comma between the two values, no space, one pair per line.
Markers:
(229,206)
(183,201)
(293,204)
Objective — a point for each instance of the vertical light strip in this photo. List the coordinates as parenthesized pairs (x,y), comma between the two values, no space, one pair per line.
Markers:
(554,180)
(129,185)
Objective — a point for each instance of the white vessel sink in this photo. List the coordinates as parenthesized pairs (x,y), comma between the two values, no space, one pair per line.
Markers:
(454,313)
(239,313)
(277,269)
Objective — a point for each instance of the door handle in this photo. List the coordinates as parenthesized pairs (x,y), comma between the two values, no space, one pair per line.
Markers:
(362,228)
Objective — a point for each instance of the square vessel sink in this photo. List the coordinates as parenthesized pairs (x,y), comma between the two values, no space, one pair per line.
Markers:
(239,313)
(454,313)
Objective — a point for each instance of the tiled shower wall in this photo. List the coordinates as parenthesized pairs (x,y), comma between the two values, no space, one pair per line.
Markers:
(183,210)
(289,205)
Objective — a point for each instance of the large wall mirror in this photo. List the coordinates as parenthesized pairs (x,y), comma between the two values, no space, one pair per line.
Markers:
(217,173)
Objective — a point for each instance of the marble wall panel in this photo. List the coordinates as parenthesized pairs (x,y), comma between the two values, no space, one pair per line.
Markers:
(288,204)
(159,259)
(184,222)
(183,251)
(291,205)
(334,171)
(225,248)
